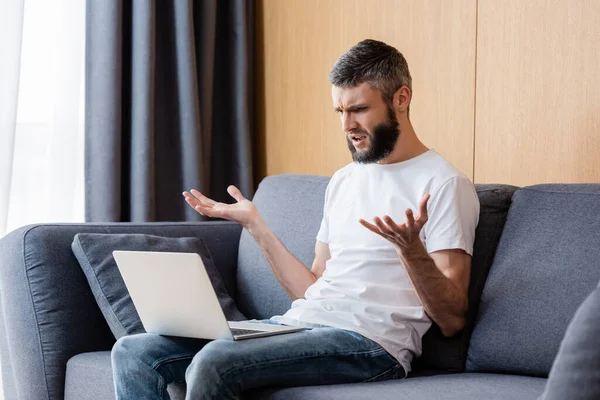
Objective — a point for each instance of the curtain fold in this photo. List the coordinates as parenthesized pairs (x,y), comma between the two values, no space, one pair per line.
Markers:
(11,21)
(168,105)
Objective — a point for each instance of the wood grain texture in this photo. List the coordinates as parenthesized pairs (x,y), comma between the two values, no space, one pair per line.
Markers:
(297,43)
(538,92)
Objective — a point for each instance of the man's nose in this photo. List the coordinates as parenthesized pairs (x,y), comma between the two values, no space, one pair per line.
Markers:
(348,122)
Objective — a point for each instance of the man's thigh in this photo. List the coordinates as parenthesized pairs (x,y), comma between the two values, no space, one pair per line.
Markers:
(168,355)
(313,357)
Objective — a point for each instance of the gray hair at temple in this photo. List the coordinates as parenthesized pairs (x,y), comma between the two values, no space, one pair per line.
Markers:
(375,62)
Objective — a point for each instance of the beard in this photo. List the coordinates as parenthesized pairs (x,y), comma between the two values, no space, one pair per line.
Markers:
(382,141)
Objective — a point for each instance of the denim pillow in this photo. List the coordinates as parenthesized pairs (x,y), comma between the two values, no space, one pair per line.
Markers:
(575,373)
(94,253)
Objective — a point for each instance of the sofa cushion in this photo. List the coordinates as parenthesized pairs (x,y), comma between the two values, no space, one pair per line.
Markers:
(447,387)
(89,377)
(440,352)
(94,253)
(292,206)
(547,261)
(575,373)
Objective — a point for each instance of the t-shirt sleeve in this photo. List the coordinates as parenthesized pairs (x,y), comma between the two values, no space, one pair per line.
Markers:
(453,216)
(323,234)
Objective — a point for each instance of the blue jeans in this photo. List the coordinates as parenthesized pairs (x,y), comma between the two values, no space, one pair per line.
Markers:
(144,364)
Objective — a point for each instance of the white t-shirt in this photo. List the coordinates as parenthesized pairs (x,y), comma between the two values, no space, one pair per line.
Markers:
(365,288)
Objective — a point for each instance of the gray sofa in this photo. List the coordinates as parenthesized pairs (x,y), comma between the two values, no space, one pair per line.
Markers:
(539,245)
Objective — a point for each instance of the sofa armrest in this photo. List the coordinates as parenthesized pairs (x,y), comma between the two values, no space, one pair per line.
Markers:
(48,310)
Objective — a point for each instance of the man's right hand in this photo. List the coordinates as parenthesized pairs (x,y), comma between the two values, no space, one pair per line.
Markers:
(243,211)
(292,274)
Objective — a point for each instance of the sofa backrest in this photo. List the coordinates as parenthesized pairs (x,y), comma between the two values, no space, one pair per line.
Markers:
(292,206)
(547,262)
(449,354)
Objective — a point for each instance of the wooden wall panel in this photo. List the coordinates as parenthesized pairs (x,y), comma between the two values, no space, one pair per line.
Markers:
(538,92)
(299,40)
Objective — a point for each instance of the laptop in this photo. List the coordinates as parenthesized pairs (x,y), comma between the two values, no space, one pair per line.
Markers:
(173,296)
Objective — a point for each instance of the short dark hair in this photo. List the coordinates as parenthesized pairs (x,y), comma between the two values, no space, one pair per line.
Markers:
(375,62)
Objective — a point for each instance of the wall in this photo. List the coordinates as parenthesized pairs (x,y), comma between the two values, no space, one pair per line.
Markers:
(538,91)
(508,91)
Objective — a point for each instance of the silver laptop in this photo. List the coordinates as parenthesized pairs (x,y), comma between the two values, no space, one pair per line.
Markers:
(173,296)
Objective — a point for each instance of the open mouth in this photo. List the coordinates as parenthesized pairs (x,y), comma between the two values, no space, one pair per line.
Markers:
(357,138)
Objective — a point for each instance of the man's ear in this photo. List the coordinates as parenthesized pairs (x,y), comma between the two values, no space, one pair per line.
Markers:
(402,99)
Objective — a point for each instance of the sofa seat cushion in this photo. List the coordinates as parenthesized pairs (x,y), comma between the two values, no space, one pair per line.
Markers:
(89,377)
(469,386)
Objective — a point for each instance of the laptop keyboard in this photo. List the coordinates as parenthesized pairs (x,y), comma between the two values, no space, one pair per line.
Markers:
(237,332)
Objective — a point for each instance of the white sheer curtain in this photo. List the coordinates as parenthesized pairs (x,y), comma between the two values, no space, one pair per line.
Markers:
(11,24)
(41,112)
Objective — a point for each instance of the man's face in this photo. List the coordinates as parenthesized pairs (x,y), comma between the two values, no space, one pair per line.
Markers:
(369,123)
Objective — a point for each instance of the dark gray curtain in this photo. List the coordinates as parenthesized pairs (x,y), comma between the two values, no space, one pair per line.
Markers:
(168,105)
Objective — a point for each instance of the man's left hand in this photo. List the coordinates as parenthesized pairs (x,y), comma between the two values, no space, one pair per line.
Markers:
(405,235)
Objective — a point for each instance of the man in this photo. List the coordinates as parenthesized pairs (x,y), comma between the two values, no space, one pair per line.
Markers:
(380,273)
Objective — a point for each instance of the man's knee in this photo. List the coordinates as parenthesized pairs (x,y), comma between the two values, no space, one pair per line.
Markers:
(121,349)
(213,360)
(212,371)
(130,348)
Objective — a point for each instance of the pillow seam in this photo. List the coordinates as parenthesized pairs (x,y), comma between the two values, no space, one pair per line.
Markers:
(102,289)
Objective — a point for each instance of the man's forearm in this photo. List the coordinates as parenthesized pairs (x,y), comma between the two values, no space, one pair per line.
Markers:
(289,271)
(443,301)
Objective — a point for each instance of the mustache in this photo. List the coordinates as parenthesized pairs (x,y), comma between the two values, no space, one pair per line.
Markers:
(359,132)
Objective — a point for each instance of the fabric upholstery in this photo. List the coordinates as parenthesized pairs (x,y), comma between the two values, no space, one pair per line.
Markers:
(94,253)
(89,377)
(449,354)
(545,265)
(575,373)
(48,310)
(49,314)
(292,206)
(446,387)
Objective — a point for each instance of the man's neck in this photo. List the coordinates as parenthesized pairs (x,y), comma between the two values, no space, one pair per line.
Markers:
(407,146)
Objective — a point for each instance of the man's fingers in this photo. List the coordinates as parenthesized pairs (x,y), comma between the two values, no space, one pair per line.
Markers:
(202,198)
(423,216)
(197,205)
(235,193)
(410,219)
(392,224)
(373,228)
(191,200)
(383,227)
(188,197)
(369,226)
